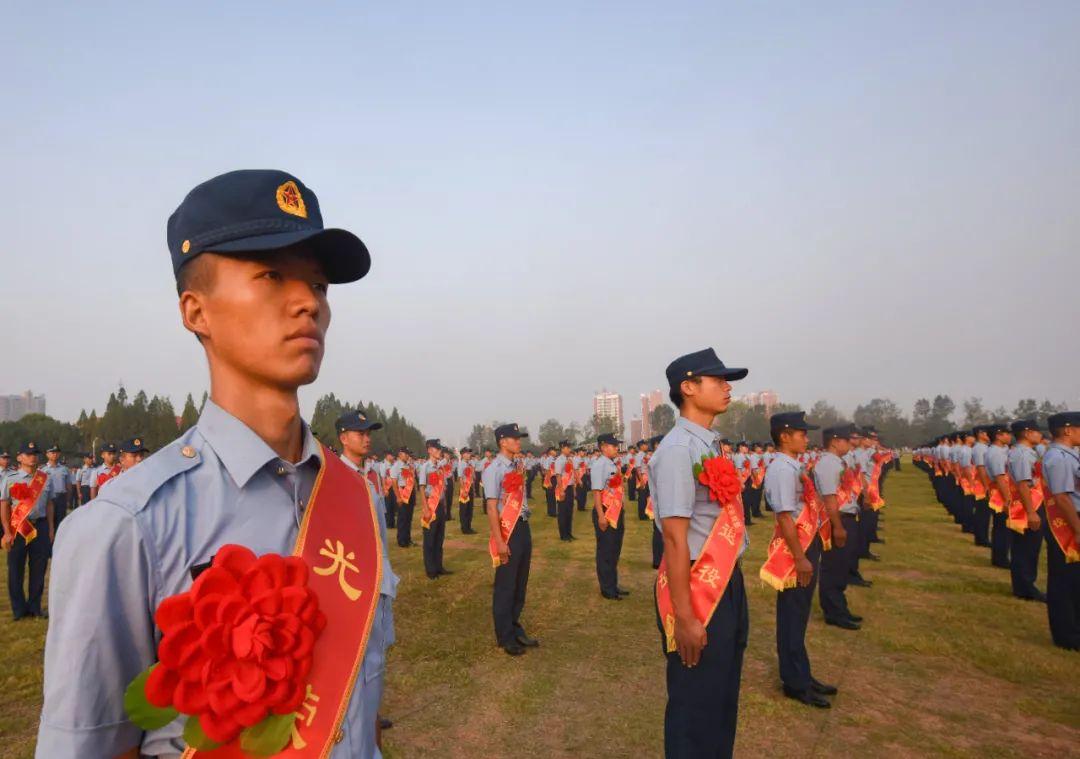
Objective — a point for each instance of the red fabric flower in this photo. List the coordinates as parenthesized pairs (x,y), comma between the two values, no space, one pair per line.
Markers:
(719,476)
(513,480)
(20,491)
(238,646)
(615,481)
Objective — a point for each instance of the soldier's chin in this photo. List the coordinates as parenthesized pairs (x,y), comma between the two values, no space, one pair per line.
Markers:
(303,372)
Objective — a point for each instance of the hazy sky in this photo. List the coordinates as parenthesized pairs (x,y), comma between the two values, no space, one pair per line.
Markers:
(851,199)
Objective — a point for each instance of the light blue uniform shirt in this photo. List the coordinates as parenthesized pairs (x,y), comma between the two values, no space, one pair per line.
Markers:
(1061,466)
(40,509)
(389,580)
(59,478)
(1022,463)
(783,485)
(997,460)
(675,490)
(86,475)
(119,557)
(492,480)
(397,472)
(426,467)
(978,454)
(963,456)
(602,470)
(827,474)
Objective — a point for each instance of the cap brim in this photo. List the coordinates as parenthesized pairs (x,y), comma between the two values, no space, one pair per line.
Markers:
(724,372)
(344,256)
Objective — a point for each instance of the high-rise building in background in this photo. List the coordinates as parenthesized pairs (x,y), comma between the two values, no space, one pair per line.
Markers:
(636,430)
(607,405)
(649,401)
(766,398)
(15,407)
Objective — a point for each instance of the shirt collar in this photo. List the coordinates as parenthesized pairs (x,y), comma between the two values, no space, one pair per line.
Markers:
(349,463)
(505,461)
(706,436)
(789,459)
(242,451)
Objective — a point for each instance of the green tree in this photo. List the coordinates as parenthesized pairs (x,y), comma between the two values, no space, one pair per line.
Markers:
(1026,408)
(189,416)
(481,438)
(550,433)
(662,419)
(974,413)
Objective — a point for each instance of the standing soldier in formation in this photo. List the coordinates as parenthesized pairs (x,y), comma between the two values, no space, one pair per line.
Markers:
(703,540)
(432,483)
(108,470)
(60,483)
(28,515)
(564,491)
(1026,513)
(85,479)
(608,523)
(510,544)
(835,486)
(403,476)
(1061,470)
(466,472)
(547,467)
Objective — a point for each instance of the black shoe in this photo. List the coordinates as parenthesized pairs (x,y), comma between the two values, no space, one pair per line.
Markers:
(572,538)
(45,614)
(807,697)
(565,540)
(748,522)
(433,576)
(821,688)
(861,583)
(19,617)
(514,648)
(870,556)
(878,541)
(622,592)
(610,597)
(1039,596)
(445,572)
(385,724)
(527,642)
(844,624)
(854,617)
(1000,564)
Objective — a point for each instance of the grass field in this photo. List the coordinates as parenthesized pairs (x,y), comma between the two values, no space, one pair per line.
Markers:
(947,662)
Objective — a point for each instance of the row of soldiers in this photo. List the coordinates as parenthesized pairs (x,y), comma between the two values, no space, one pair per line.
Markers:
(1012,488)
(34,499)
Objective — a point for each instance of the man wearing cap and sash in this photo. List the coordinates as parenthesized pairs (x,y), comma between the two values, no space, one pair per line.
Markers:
(84,477)
(510,541)
(1026,514)
(109,468)
(246,499)
(997,470)
(794,551)
(28,520)
(60,483)
(563,482)
(609,523)
(403,476)
(431,479)
(834,484)
(466,472)
(1061,471)
(701,601)
(132,452)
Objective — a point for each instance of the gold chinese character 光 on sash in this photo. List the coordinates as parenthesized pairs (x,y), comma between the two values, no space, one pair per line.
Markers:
(340,561)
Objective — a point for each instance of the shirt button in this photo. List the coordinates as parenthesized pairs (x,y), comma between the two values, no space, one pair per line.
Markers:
(280,471)
(340,736)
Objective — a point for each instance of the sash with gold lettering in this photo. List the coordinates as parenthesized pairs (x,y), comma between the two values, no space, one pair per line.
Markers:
(779,567)
(513,494)
(579,473)
(758,475)
(23,497)
(712,570)
(978,489)
(564,481)
(388,485)
(437,483)
(611,500)
(108,474)
(548,474)
(344,556)
(642,476)
(465,492)
(1059,526)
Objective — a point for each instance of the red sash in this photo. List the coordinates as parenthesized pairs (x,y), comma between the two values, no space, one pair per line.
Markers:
(373,478)
(465,492)
(758,476)
(642,478)
(431,501)
(710,573)
(579,473)
(649,512)
(564,481)
(611,500)
(388,486)
(779,568)
(1062,532)
(108,475)
(977,488)
(1017,519)
(548,474)
(513,488)
(23,497)
(405,492)
(345,556)
(744,473)
(873,489)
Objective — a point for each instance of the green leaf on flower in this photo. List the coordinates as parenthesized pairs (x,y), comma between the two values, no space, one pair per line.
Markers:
(196,738)
(269,736)
(142,712)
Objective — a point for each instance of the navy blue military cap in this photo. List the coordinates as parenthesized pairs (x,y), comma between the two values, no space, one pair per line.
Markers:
(703,363)
(404,449)
(565,444)
(133,445)
(107,448)
(434,443)
(54,449)
(509,430)
(251,211)
(842,431)
(608,438)
(4,454)
(29,447)
(1023,425)
(355,421)
(790,420)
(1064,419)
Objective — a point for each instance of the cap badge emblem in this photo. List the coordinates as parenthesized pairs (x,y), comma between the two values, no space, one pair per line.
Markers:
(290,200)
